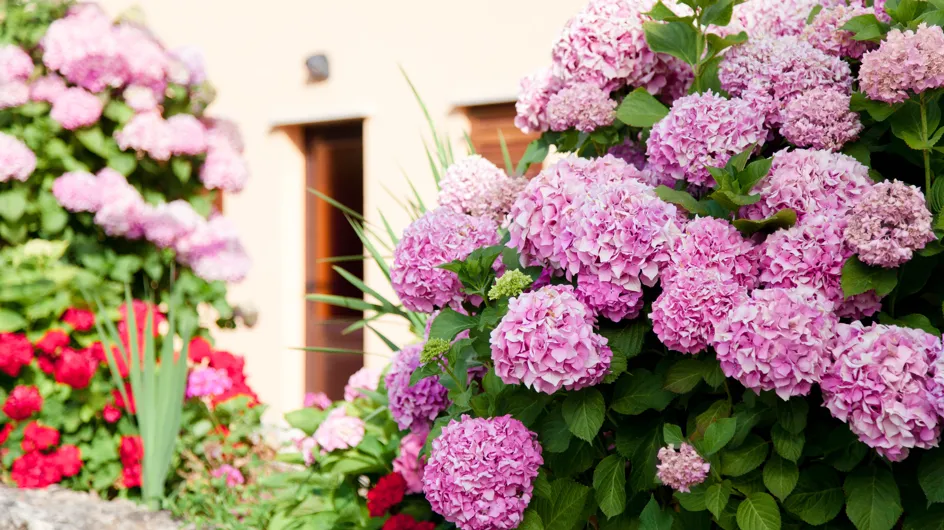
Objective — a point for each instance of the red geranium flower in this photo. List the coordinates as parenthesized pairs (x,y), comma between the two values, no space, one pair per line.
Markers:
(131,450)
(35,470)
(5,433)
(131,476)
(79,319)
(37,437)
(75,368)
(23,402)
(53,341)
(69,460)
(199,349)
(15,353)
(402,521)
(387,493)
(111,413)
(120,401)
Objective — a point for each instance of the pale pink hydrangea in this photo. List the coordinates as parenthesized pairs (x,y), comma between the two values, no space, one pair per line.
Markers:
(879,384)
(878,7)
(318,400)
(47,88)
(234,476)
(191,58)
(144,57)
(702,130)
(413,407)
(224,169)
(546,341)
(778,339)
(820,119)
(409,464)
(936,383)
(123,211)
(772,18)
(888,224)
(188,135)
(582,106)
(339,431)
(682,469)
(221,131)
(685,315)
(17,161)
(307,446)
(714,244)
(169,222)
(83,47)
(476,187)
(769,73)
(15,64)
(440,236)
(78,191)
(149,133)
(142,99)
(204,381)
(230,264)
(213,251)
(909,61)
(533,95)
(825,32)
(607,299)
(811,255)
(481,471)
(366,378)
(13,94)
(634,154)
(812,182)
(76,108)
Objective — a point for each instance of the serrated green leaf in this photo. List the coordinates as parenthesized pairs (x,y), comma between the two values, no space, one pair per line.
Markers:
(684,375)
(744,459)
(609,484)
(678,39)
(561,510)
(654,518)
(639,391)
(931,475)
(717,497)
(672,434)
(780,476)
(784,218)
(787,444)
(818,497)
(858,278)
(872,498)
(717,435)
(640,109)
(759,511)
(584,412)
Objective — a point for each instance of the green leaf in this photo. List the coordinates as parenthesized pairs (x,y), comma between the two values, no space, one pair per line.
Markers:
(672,434)
(639,391)
(531,521)
(627,339)
(817,498)
(784,218)
(584,412)
(118,112)
(907,124)
(535,153)
(11,321)
(95,141)
(640,442)
(717,13)
(759,511)
(914,321)
(609,483)
(685,375)
(717,497)
(865,27)
(182,168)
(780,476)
(450,323)
(787,444)
(744,459)
(661,12)
(931,475)
(930,519)
(678,39)
(858,278)
(878,110)
(717,435)
(640,109)
(562,509)
(524,404)
(872,498)
(13,204)
(755,171)
(680,198)
(694,500)
(554,435)
(653,518)
(792,414)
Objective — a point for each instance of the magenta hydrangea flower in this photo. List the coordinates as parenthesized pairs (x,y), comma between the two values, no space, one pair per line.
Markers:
(409,464)
(476,187)
(318,400)
(123,211)
(909,61)
(714,244)
(47,88)
(204,381)
(702,130)
(888,224)
(75,108)
(812,182)
(533,95)
(811,255)
(481,471)
(77,191)
(17,161)
(825,32)
(440,236)
(339,431)
(13,94)
(83,47)
(234,476)
(685,315)
(15,64)
(582,106)
(821,119)
(147,132)
(188,135)
(879,384)
(224,168)
(546,341)
(682,469)
(778,339)
(770,72)
(366,378)
(413,407)
(608,299)
(169,222)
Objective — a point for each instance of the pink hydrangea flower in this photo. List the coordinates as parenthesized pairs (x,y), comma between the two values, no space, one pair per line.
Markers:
(820,119)
(17,161)
(481,471)
(879,384)
(365,378)
(714,244)
(772,18)
(702,130)
(778,339)
(476,187)
(234,477)
(533,95)
(213,251)
(204,381)
(75,108)
(78,191)
(230,264)
(221,131)
(888,224)
(168,222)
(409,464)
(812,183)
(83,47)
(682,469)
(546,341)
(145,59)
(770,72)
(13,94)
(15,64)
(307,446)
(878,7)
(608,299)
(825,32)
(224,169)
(685,315)
(339,431)
(47,88)
(583,106)
(413,407)
(192,59)
(936,383)
(811,255)
(147,132)
(909,61)
(123,211)
(188,135)
(318,400)
(634,154)
(142,99)
(440,236)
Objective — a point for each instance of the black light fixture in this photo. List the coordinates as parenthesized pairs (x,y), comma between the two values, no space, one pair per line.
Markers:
(317,67)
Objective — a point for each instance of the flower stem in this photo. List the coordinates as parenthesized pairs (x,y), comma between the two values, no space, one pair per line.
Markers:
(925,152)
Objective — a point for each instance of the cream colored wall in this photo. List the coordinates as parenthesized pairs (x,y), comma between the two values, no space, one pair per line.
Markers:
(456,53)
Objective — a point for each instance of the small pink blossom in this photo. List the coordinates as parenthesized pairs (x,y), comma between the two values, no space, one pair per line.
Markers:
(888,224)
(15,64)
(581,106)
(365,378)
(681,469)
(318,400)
(188,136)
(234,477)
(409,464)
(17,161)
(78,191)
(820,119)
(75,108)
(533,95)
(909,61)
(47,88)
(339,431)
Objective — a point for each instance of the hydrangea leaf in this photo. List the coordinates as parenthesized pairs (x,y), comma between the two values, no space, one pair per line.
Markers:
(744,459)
(872,499)
(609,484)
(678,39)
(640,109)
(858,278)
(584,412)
(717,497)
(639,391)
(759,511)
(817,498)
(931,475)
(654,518)
(780,476)
(787,444)
(717,435)
(562,509)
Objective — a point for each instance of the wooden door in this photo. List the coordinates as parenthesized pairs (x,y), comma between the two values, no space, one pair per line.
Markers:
(484,123)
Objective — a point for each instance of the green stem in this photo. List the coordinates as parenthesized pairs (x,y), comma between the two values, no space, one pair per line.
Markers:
(925,152)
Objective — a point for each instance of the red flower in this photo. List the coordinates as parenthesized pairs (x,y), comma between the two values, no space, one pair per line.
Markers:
(131,450)
(23,402)
(15,353)
(53,341)
(111,413)
(69,460)
(79,319)
(199,349)
(5,433)
(402,521)
(131,476)
(39,438)
(75,368)
(387,493)
(35,470)
(120,401)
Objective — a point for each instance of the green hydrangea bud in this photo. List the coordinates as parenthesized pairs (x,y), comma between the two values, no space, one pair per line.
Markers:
(433,350)
(512,283)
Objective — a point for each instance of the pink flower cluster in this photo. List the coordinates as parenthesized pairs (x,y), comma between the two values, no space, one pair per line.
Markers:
(906,61)
(481,471)
(440,236)
(16,66)
(17,161)
(339,431)
(773,18)
(364,379)
(533,95)
(820,119)
(47,88)
(714,244)
(880,384)
(409,464)
(476,187)
(888,224)
(681,469)
(181,134)
(634,154)
(75,108)
(234,476)
(546,341)
(204,381)
(608,299)
(702,130)
(582,106)
(318,400)
(413,407)
(825,32)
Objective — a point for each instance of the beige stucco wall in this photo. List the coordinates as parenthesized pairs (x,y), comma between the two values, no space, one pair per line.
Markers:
(455,52)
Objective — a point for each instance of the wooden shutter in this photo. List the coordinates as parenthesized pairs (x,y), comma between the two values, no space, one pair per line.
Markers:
(484,123)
